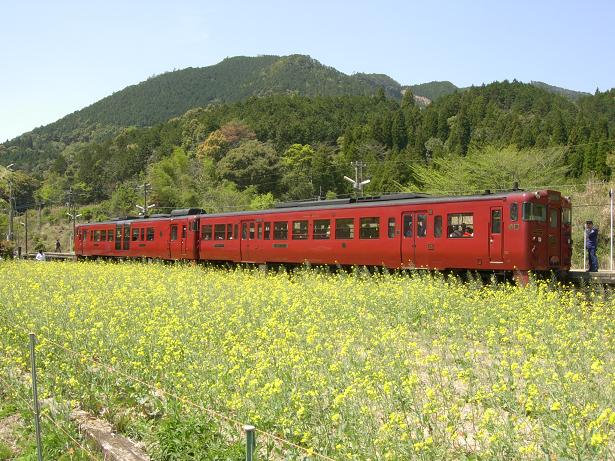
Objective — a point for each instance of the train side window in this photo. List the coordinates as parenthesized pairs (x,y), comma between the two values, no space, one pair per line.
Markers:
(407,225)
(142,234)
(437,226)
(344,228)
(229,232)
(135,234)
(553,214)
(280,230)
(267,230)
(460,225)
(174,232)
(206,232)
(322,229)
(92,233)
(259,231)
(514,211)
(370,228)
(150,233)
(236,231)
(244,231)
(421,225)
(85,235)
(391,231)
(496,221)
(110,235)
(219,231)
(184,231)
(251,231)
(103,235)
(300,230)
(96,236)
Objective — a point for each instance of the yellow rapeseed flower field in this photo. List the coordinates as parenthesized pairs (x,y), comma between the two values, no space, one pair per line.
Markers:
(353,366)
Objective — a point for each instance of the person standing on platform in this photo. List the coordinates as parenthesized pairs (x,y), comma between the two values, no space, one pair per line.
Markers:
(592,244)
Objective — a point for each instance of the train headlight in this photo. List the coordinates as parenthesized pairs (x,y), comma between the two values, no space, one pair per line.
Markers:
(539,239)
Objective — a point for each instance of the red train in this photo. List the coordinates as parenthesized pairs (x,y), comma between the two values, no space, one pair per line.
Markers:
(511,231)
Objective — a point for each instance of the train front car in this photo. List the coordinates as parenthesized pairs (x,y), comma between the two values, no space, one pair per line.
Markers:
(545,225)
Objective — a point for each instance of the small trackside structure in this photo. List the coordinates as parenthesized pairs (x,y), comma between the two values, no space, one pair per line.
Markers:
(516,231)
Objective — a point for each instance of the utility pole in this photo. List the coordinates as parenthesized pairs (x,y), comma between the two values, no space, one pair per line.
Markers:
(72,212)
(358,182)
(145,208)
(146,187)
(25,224)
(73,215)
(39,207)
(10,236)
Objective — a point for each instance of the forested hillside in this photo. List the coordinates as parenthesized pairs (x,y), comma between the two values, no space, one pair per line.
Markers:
(253,152)
(171,94)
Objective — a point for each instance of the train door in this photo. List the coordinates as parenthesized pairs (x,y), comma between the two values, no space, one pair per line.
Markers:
(248,240)
(118,237)
(414,244)
(78,241)
(192,239)
(496,240)
(177,240)
(554,237)
(122,237)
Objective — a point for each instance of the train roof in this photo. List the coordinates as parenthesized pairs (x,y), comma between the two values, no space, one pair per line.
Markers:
(314,205)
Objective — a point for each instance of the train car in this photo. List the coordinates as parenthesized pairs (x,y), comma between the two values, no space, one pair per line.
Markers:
(511,231)
(170,237)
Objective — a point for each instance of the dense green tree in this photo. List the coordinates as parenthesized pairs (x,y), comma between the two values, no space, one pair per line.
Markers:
(491,168)
(399,135)
(172,181)
(253,163)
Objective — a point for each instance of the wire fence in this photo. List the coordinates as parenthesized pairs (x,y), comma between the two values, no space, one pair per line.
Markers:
(238,427)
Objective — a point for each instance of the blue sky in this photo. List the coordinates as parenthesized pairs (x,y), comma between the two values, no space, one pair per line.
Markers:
(59,56)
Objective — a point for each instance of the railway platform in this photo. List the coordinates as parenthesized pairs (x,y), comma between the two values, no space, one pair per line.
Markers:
(577,276)
(52,256)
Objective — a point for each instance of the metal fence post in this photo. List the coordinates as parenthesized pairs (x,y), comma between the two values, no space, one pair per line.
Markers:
(250,441)
(37,411)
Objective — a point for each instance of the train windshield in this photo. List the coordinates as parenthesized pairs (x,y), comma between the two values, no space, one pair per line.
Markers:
(534,212)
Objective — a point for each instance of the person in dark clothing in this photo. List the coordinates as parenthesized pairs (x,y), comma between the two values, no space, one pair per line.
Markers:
(58,246)
(591,244)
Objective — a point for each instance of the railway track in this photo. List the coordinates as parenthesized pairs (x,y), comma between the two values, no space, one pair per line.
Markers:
(574,276)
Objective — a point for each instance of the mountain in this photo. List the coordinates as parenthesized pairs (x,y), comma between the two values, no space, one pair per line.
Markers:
(569,94)
(433,90)
(171,94)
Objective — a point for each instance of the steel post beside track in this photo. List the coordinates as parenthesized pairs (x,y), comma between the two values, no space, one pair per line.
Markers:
(37,411)
(250,441)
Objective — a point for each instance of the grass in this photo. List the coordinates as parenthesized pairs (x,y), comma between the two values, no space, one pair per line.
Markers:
(348,365)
